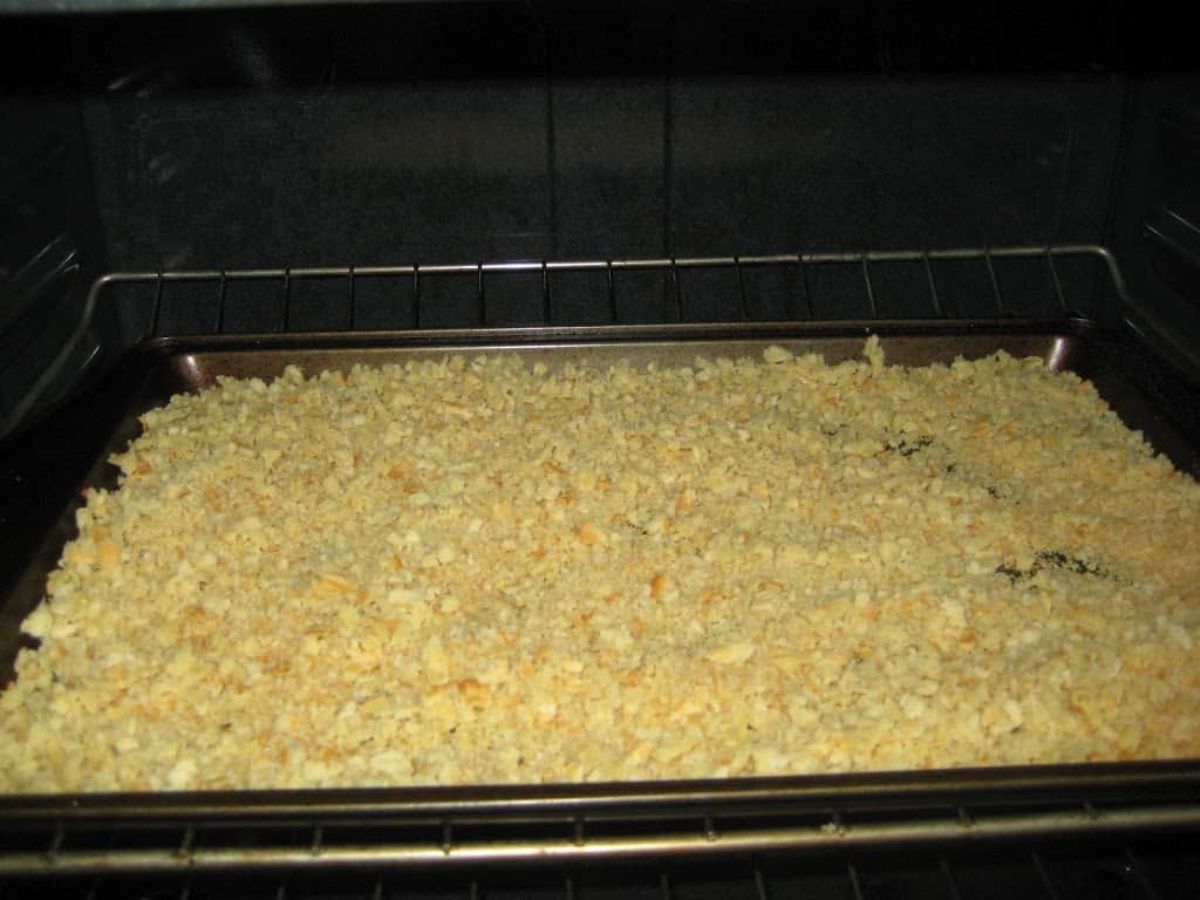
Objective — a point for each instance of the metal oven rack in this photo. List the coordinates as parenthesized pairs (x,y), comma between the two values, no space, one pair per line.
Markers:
(815,285)
(1032,282)
(819,843)
(1141,869)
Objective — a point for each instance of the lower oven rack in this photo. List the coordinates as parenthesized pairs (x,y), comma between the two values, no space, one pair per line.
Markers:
(582,825)
(1138,841)
(1154,866)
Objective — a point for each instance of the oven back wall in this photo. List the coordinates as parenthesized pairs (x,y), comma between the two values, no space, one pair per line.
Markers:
(462,132)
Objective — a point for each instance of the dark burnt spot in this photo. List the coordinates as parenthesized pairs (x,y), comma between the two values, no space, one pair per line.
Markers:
(1053,559)
(1012,573)
(908,446)
(1059,560)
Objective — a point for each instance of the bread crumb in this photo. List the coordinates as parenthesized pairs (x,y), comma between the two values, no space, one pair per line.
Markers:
(734,568)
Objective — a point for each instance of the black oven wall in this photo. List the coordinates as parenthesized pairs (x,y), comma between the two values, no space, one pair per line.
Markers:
(1156,230)
(467,131)
(492,131)
(51,239)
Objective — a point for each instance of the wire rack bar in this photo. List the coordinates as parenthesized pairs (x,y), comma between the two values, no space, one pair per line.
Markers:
(996,292)
(184,851)
(222,288)
(447,848)
(802,273)
(948,876)
(56,842)
(1044,876)
(933,291)
(483,318)
(613,316)
(416,298)
(760,885)
(158,290)
(871,302)
(287,302)
(664,263)
(855,883)
(743,304)
(640,264)
(676,293)
(1139,873)
(1058,288)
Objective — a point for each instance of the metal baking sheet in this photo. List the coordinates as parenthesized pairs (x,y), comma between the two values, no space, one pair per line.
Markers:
(50,464)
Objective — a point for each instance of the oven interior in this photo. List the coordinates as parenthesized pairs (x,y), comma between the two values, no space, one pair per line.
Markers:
(194,170)
(297,137)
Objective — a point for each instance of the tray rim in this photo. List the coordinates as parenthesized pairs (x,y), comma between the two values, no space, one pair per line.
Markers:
(812,791)
(575,335)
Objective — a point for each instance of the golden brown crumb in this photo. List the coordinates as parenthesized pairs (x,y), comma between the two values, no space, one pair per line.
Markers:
(472,571)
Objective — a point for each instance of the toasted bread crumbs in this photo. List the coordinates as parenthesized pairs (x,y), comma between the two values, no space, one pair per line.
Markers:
(474,571)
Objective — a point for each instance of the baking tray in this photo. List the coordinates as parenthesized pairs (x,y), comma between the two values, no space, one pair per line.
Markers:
(44,470)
